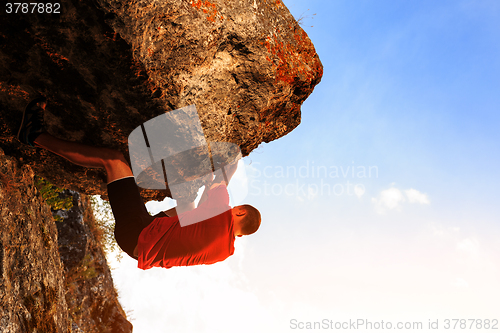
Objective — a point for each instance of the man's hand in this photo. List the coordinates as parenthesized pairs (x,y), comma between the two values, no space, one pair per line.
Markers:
(230,169)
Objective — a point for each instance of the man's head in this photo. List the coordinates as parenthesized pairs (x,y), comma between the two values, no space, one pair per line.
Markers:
(246,220)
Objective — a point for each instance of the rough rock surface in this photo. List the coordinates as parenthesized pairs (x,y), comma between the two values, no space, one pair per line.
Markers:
(90,294)
(43,289)
(107,66)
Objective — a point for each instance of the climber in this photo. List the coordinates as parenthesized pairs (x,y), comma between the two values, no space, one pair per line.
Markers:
(154,241)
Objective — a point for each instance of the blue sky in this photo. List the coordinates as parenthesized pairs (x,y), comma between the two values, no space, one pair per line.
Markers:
(410,89)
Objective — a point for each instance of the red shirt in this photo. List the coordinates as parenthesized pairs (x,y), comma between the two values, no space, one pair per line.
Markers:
(164,243)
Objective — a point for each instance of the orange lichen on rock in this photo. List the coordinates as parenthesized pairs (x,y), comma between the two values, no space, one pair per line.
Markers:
(207,8)
(13,91)
(57,58)
(294,61)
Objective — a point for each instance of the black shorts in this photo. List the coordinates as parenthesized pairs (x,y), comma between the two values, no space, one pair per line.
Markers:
(130,213)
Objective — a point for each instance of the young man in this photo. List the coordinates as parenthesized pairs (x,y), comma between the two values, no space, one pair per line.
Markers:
(155,241)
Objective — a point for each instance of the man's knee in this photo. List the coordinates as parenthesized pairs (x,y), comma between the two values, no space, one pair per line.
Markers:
(116,165)
(111,157)
(113,154)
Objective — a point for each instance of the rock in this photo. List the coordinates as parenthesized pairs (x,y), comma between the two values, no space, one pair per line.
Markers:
(32,281)
(91,297)
(42,290)
(106,66)
(72,232)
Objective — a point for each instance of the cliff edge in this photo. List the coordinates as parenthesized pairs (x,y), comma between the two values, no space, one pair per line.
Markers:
(107,66)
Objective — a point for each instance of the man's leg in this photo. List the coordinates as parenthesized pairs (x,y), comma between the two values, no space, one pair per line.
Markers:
(126,203)
(128,208)
(91,157)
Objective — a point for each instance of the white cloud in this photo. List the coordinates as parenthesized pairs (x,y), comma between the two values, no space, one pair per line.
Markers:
(460,283)
(359,190)
(440,231)
(415,196)
(392,198)
(311,193)
(469,246)
(388,199)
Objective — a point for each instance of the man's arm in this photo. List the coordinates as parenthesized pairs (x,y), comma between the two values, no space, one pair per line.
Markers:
(217,181)
(228,171)
(223,177)
(171,212)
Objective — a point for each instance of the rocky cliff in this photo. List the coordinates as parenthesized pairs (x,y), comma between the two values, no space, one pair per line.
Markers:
(53,276)
(106,66)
